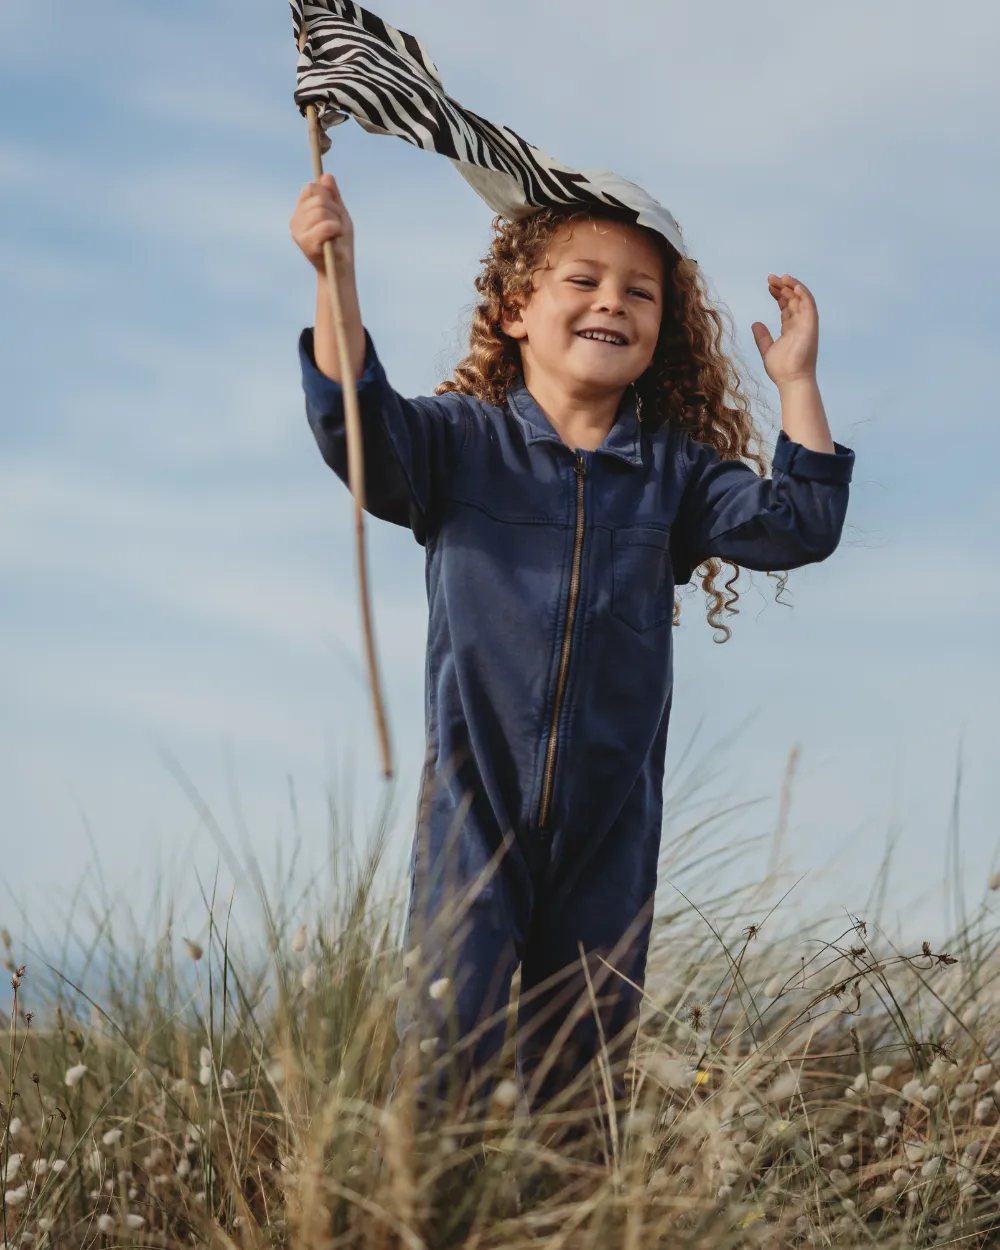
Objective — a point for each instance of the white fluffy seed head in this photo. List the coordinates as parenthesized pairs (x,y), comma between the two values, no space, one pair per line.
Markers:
(882,1072)
(16,1197)
(310,977)
(205,1076)
(966,1090)
(930,1093)
(134,1221)
(846,1162)
(113,1137)
(301,939)
(228,1079)
(75,1074)
(984,1110)
(106,1223)
(931,1167)
(891,1117)
(439,988)
(505,1094)
(911,1089)
(881,1144)
(983,1072)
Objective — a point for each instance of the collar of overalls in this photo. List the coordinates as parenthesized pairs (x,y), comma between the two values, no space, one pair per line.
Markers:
(623,440)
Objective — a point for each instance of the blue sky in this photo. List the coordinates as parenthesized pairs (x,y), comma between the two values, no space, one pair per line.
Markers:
(175,560)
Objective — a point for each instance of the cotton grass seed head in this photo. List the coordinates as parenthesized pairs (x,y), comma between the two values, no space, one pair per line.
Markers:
(310,975)
(16,1197)
(75,1074)
(113,1137)
(439,988)
(505,1094)
(14,1127)
(194,951)
(228,1079)
(205,1076)
(106,1223)
(134,1222)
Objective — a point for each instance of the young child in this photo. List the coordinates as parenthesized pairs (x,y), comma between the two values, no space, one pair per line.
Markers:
(589,457)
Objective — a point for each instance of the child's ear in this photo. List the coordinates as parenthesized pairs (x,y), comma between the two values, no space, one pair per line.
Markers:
(511,323)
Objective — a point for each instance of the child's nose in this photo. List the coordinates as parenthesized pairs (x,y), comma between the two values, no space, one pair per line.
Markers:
(610,301)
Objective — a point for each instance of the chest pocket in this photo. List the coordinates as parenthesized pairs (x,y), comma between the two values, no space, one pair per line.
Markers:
(643,591)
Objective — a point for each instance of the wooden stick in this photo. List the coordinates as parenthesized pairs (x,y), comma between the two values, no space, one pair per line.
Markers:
(355,450)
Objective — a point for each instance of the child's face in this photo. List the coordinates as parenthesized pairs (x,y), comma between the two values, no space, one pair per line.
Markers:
(602,276)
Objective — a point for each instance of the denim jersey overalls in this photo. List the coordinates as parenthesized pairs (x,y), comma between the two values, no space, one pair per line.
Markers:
(550,582)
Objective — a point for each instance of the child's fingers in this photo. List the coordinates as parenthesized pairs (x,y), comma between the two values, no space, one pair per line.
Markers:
(330,184)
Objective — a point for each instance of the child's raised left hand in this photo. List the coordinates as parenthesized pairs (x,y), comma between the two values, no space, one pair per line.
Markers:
(793,355)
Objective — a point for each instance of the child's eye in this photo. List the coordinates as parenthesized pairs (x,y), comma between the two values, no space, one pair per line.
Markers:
(634,290)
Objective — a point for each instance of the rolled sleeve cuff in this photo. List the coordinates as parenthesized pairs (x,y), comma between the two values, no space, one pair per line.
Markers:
(323,393)
(818,466)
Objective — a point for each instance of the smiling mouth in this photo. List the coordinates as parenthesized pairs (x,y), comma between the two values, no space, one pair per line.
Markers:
(602,336)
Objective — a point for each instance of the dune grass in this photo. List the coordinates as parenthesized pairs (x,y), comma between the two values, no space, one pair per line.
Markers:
(805,1085)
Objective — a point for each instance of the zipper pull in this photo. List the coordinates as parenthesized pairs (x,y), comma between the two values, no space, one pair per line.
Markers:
(581,465)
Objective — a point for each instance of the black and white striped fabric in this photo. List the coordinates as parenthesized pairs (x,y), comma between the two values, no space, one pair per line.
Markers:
(352,64)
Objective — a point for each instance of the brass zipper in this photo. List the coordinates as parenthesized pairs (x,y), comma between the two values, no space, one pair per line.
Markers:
(574,594)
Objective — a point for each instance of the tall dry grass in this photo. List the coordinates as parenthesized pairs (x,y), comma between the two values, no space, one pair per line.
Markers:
(811,1084)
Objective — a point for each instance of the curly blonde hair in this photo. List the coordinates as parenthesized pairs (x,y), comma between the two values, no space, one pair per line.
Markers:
(691,383)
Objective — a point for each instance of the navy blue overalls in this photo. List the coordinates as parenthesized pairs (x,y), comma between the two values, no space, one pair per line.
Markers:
(550,584)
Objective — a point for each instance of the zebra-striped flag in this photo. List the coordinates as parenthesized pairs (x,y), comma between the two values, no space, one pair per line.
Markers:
(353,64)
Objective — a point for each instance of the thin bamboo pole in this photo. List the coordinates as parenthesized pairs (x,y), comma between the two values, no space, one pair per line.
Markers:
(355,449)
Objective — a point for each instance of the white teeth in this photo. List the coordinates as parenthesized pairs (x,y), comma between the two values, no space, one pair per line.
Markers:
(600,337)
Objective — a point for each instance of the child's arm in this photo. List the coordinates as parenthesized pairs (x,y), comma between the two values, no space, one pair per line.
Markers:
(410,445)
(790,363)
(321,215)
(797,515)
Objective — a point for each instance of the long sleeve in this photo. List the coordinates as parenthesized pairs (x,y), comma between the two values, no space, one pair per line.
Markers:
(410,445)
(795,517)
